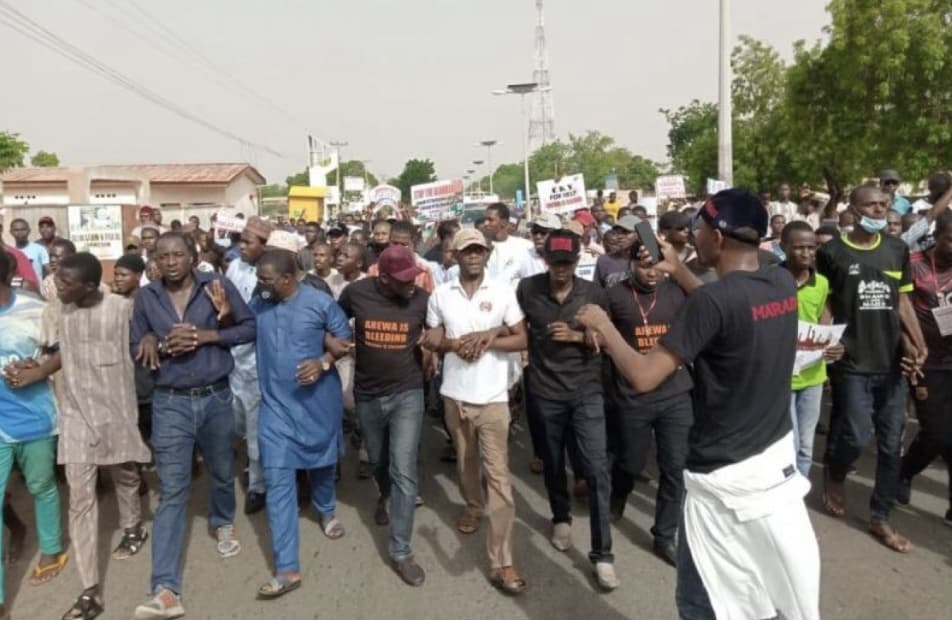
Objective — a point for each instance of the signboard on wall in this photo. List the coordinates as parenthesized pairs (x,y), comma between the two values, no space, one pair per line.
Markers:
(96,229)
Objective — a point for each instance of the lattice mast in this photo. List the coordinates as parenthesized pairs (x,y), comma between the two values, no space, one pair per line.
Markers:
(542,119)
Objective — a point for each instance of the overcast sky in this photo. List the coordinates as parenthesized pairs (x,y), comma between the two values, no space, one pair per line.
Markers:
(396,79)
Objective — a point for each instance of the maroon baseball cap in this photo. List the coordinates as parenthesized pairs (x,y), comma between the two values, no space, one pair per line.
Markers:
(399,263)
(46,220)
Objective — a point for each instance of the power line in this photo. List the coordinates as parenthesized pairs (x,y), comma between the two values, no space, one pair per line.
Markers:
(194,53)
(23,25)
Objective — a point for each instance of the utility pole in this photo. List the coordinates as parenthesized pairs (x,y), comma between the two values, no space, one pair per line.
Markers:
(340,189)
(489,144)
(725,147)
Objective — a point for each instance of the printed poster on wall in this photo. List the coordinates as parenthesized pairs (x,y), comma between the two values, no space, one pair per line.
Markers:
(563,195)
(96,229)
(437,201)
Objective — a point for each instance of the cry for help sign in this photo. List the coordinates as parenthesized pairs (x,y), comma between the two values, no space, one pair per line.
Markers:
(563,195)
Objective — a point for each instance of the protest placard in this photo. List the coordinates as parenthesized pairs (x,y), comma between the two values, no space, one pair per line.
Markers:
(670,186)
(812,342)
(437,201)
(716,185)
(228,221)
(385,196)
(96,229)
(562,195)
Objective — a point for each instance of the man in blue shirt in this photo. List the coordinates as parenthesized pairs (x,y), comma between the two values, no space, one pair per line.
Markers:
(183,327)
(28,419)
(39,257)
(889,183)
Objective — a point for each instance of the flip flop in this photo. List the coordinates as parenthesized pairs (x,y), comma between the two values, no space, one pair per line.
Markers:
(278,585)
(888,536)
(45,574)
(332,528)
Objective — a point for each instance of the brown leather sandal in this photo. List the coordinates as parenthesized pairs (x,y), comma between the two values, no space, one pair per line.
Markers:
(468,523)
(887,534)
(508,581)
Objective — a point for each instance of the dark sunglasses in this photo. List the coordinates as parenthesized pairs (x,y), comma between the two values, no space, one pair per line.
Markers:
(538,230)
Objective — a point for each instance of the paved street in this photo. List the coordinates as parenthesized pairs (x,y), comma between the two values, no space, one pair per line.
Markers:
(349,578)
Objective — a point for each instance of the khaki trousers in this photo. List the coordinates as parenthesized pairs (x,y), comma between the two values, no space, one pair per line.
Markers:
(481,436)
(84,511)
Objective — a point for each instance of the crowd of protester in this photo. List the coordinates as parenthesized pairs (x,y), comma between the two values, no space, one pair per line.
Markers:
(287,336)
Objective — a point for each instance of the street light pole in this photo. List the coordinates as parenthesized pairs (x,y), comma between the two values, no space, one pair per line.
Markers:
(479,181)
(725,152)
(522,90)
(340,190)
(489,144)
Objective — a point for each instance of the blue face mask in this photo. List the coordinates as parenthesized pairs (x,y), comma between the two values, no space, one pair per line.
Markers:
(872,226)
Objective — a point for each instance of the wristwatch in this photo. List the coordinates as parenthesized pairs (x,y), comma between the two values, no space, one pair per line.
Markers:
(163,347)
(326,365)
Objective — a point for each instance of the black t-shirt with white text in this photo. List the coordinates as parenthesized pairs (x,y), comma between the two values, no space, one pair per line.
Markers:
(865,284)
(740,333)
(386,332)
(642,318)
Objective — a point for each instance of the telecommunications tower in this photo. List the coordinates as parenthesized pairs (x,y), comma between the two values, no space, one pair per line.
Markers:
(542,120)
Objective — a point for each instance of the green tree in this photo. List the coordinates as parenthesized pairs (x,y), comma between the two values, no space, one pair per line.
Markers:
(44,159)
(301,178)
(274,190)
(12,150)
(506,180)
(877,94)
(692,142)
(354,168)
(415,172)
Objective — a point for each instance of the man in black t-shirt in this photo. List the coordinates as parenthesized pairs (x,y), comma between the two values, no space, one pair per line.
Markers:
(747,548)
(870,281)
(389,314)
(642,309)
(564,378)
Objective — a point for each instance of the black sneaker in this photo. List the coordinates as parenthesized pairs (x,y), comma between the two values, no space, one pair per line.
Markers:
(410,572)
(254,503)
(904,491)
(616,508)
(667,551)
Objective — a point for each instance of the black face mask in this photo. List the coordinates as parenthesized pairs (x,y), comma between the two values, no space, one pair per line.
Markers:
(267,293)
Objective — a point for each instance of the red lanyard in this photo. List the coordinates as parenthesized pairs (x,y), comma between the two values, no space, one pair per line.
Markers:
(645,313)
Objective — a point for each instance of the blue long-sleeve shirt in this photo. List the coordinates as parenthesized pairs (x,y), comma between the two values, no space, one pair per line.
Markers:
(208,364)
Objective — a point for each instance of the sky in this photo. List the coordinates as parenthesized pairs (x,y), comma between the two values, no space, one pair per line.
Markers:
(395,79)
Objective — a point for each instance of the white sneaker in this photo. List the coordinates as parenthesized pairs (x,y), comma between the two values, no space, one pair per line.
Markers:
(605,574)
(228,544)
(562,536)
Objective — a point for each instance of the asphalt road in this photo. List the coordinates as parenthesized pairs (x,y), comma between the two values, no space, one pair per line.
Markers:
(350,578)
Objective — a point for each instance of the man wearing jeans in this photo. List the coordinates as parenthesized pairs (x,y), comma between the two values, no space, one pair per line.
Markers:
(183,327)
(389,314)
(565,378)
(870,281)
(798,242)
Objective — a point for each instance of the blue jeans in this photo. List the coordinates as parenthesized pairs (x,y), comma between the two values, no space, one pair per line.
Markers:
(179,423)
(391,428)
(862,403)
(690,594)
(805,413)
(582,421)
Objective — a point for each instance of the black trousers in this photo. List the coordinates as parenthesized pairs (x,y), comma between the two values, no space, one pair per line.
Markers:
(580,421)
(630,429)
(935,426)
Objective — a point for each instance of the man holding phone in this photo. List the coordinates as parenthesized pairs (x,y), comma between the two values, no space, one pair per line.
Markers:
(564,377)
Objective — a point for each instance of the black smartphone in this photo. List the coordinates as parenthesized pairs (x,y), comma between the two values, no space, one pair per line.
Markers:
(648,240)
